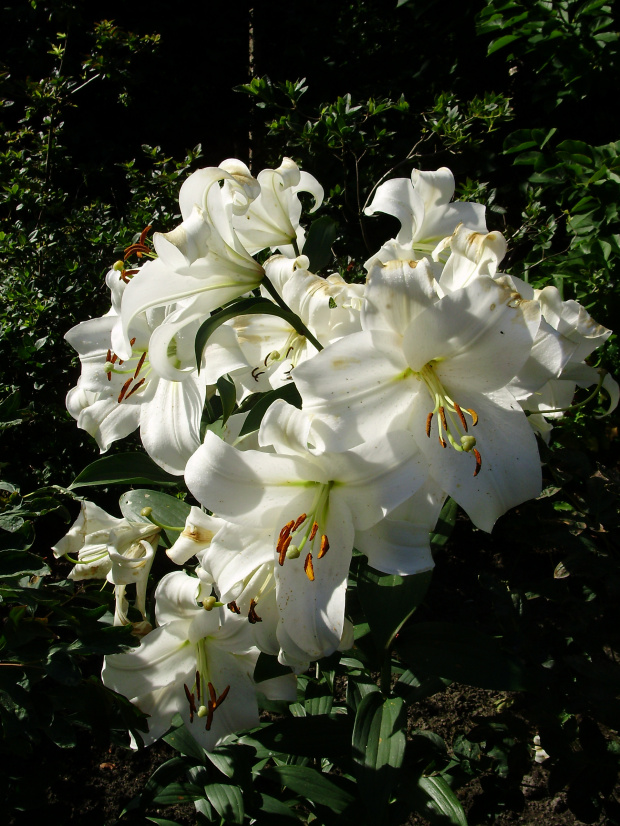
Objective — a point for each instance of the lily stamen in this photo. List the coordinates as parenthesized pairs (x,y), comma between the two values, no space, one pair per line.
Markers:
(191,701)
(309,568)
(451,421)
(124,389)
(252,615)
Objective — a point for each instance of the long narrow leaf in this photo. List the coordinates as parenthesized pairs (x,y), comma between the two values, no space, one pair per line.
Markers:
(246,306)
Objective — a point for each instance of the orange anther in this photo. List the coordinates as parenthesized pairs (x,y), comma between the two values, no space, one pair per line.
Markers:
(459,413)
(300,521)
(309,568)
(429,420)
(124,389)
(478,461)
(442,416)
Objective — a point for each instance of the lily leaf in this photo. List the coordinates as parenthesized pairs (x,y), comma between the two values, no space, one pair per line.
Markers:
(389,600)
(123,469)
(378,750)
(246,306)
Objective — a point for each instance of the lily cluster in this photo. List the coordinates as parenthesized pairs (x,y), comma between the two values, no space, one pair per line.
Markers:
(434,378)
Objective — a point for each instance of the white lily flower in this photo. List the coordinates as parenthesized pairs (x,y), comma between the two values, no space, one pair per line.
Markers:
(202,259)
(578,335)
(272,220)
(472,254)
(114,549)
(198,663)
(269,347)
(444,365)
(422,205)
(114,395)
(312,503)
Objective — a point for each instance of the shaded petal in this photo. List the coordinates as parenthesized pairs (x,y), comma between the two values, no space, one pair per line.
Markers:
(398,198)
(164,657)
(312,613)
(400,543)
(396,292)
(360,383)
(510,472)
(176,598)
(376,476)
(249,485)
(170,422)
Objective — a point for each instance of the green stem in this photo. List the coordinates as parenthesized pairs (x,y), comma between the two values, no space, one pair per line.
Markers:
(297,323)
(161,525)
(571,406)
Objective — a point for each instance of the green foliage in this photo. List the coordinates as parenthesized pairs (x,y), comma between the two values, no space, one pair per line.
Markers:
(52,641)
(569,46)
(61,232)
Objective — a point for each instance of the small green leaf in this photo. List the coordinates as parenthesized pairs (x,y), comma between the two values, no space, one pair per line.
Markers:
(496,45)
(181,740)
(175,793)
(272,806)
(318,245)
(20,563)
(123,468)
(445,524)
(167,510)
